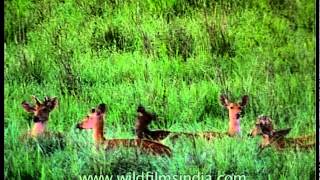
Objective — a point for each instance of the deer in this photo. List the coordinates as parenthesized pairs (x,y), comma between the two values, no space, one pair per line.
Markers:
(144,118)
(277,138)
(40,114)
(95,121)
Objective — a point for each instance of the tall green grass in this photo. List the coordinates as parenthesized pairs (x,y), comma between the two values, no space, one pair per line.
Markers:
(174,57)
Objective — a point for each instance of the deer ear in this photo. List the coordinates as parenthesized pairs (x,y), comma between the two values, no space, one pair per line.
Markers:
(102,108)
(141,109)
(224,100)
(36,100)
(26,106)
(53,103)
(244,101)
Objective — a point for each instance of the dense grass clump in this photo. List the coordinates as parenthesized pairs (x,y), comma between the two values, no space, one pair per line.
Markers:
(179,43)
(175,58)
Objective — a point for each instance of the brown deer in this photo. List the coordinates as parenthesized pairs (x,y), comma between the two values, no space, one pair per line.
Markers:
(41,112)
(144,118)
(277,139)
(48,141)
(95,121)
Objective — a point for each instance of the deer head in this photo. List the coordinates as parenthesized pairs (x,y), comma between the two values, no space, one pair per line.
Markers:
(96,115)
(144,118)
(95,121)
(263,125)
(41,112)
(235,110)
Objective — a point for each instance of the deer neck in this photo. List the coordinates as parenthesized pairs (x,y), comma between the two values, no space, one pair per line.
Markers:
(38,129)
(98,132)
(234,125)
(141,126)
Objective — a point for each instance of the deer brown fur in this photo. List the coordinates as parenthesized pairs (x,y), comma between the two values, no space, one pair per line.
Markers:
(277,139)
(95,121)
(144,118)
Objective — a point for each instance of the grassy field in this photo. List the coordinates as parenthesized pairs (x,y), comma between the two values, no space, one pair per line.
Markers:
(175,57)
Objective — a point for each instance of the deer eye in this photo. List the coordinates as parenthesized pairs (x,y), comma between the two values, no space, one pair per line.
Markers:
(231,107)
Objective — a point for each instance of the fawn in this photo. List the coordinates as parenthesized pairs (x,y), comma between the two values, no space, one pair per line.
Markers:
(276,138)
(144,118)
(95,121)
